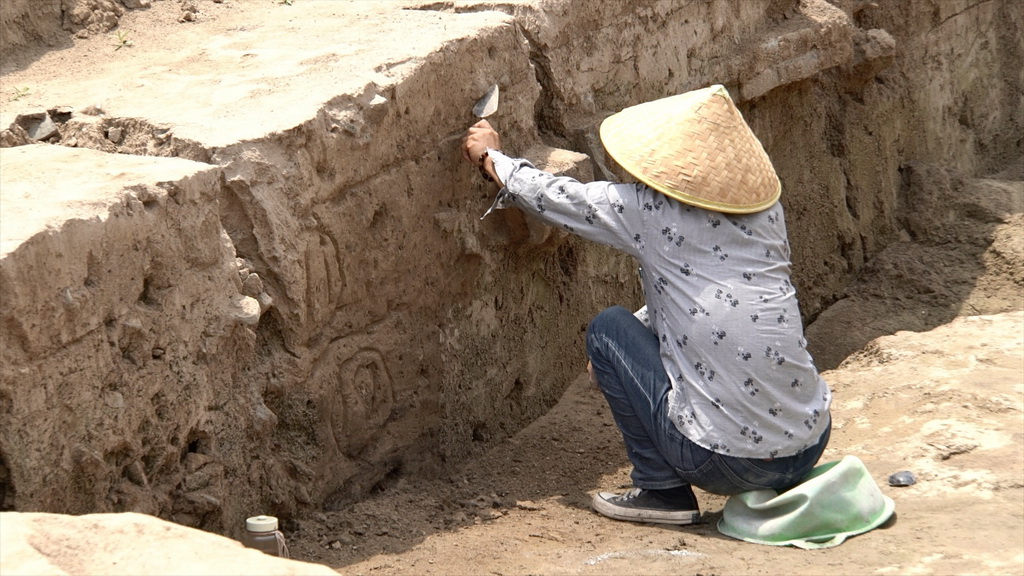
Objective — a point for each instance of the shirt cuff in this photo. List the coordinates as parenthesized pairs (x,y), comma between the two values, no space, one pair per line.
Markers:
(504,166)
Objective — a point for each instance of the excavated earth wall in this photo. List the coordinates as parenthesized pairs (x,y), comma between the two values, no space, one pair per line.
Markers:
(254,277)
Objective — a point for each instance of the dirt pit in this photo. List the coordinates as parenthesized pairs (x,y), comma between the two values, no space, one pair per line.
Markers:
(944,401)
(906,403)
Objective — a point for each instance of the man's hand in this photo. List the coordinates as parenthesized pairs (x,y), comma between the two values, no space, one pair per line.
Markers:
(478,139)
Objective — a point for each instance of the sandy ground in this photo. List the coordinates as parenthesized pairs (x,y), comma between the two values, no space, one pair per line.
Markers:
(906,402)
(945,403)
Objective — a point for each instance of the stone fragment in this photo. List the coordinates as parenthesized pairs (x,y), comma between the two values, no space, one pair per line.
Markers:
(873,51)
(875,44)
(189,9)
(115,135)
(61,114)
(14,136)
(252,285)
(38,125)
(136,473)
(265,301)
(902,478)
(162,134)
(246,310)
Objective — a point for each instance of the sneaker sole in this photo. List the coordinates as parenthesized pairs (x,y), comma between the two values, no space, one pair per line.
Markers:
(679,518)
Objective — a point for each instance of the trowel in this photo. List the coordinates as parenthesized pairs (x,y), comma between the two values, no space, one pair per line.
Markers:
(487,104)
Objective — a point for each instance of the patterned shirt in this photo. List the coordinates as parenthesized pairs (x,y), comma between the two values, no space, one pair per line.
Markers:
(719,298)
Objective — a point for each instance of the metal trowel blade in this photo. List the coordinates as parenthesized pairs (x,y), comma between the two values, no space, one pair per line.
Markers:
(488,104)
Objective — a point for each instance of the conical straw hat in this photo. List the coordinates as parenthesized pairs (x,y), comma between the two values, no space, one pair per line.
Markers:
(696,148)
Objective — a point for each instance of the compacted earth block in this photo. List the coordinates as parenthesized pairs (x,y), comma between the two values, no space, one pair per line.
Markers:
(243,271)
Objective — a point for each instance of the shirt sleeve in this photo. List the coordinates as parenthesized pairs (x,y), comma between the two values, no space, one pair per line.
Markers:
(603,212)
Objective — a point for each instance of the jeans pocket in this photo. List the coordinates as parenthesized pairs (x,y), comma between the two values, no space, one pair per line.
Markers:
(715,476)
(759,474)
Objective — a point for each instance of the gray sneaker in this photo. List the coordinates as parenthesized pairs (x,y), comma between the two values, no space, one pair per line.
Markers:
(639,505)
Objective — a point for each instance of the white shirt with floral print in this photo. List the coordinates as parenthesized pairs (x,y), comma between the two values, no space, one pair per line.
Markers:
(719,298)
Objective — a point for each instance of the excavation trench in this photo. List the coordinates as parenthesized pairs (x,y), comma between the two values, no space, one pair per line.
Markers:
(280,296)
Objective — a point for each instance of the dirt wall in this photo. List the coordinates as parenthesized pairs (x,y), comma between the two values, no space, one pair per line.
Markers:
(317,309)
(841,94)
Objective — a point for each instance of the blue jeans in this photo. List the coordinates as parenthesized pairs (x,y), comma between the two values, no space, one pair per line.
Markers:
(627,365)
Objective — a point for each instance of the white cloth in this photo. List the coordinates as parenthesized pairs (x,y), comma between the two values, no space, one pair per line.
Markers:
(719,296)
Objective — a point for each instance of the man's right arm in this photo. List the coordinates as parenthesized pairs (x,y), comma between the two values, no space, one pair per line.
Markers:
(602,212)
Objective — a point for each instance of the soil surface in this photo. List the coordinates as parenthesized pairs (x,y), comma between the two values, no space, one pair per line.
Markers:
(944,403)
(904,403)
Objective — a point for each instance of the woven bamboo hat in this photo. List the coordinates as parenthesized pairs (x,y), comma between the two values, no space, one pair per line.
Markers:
(696,148)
